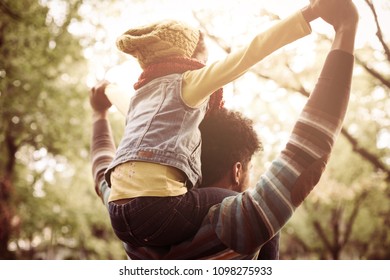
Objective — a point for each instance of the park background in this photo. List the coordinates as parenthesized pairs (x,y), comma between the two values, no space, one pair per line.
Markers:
(53,51)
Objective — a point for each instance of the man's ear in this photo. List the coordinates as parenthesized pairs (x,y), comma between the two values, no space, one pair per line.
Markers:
(236,173)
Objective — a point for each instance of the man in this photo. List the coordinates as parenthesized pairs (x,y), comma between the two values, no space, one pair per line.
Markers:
(240,225)
(228,144)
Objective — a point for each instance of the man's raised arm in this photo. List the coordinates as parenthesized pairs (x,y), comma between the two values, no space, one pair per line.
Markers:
(245,222)
(102,144)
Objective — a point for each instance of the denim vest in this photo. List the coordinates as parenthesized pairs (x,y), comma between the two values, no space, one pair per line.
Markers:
(161,128)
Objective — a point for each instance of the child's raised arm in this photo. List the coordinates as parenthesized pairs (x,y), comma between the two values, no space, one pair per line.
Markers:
(199,84)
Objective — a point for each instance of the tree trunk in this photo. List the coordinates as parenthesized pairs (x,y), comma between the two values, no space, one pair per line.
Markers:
(6,208)
(6,215)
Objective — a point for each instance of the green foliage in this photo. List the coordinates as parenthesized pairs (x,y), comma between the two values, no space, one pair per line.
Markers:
(44,118)
(61,217)
(340,222)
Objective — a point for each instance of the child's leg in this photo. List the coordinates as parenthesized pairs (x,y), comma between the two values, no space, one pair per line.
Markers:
(196,204)
(163,221)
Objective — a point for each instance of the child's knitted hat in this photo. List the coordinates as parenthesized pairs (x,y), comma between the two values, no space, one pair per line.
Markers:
(159,40)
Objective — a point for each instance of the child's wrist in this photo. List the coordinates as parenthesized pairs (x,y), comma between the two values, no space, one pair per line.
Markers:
(308,14)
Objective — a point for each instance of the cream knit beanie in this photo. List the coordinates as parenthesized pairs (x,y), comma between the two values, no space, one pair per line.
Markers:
(164,39)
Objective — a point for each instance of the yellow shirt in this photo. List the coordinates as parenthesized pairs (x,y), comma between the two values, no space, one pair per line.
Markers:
(137,178)
(134,179)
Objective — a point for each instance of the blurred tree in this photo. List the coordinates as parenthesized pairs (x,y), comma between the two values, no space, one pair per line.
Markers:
(47,209)
(36,51)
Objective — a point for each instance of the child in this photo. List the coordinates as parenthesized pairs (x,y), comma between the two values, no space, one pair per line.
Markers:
(154,176)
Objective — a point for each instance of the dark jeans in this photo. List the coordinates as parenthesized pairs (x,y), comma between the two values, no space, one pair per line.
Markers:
(163,221)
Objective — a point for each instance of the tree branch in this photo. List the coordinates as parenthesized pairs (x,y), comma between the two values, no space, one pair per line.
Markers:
(379,33)
(7,10)
(372,72)
(318,228)
(336,219)
(378,165)
(349,225)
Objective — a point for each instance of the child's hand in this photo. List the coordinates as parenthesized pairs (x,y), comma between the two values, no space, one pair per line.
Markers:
(98,99)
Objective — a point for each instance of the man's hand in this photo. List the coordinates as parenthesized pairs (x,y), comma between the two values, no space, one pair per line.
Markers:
(341,14)
(98,99)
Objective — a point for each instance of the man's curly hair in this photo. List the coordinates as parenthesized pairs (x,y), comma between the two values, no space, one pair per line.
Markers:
(227,137)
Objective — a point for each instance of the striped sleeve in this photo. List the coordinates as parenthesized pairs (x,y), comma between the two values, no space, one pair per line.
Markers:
(245,222)
(102,152)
